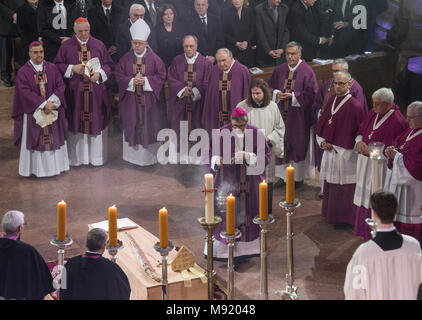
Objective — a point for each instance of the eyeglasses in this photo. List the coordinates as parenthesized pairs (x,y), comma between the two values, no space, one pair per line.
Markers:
(340,83)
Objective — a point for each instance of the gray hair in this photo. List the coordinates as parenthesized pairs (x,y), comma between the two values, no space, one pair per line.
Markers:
(294,44)
(343,62)
(77,24)
(417,106)
(384,94)
(136,6)
(345,73)
(192,36)
(96,239)
(11,221)
(227,51)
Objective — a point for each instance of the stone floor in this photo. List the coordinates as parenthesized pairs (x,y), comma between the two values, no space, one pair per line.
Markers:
(321,253)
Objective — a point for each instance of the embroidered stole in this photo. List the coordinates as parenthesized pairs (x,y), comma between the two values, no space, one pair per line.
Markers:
(289,86)
(86,93)
(224,88)
(190,79)
(244,189)
(46,137)
(139,68)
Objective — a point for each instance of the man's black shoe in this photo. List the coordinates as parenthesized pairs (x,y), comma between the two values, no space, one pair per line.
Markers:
(7,82)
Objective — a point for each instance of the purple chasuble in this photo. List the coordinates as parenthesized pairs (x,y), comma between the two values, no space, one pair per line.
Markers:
(178,78)
(152,101)
(89,104)
(411,151)
(299,119)
(235,91)
(28,98)
(324,94)
(231,176)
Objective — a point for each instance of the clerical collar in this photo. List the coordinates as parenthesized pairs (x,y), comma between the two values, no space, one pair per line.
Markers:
(230,66)
(82,42)
(295,67)
(11,237)
(386,229)
(191,60)
(92,254)
(348,91)
(37,67)
(257,105)
(140,55)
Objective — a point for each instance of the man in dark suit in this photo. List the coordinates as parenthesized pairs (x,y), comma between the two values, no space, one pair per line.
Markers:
(55,20)
(104,20)
(305,25)
(347,39)
(208,29)
(8,30)
(151,10)
(85,5)
(123,36)
(272,33)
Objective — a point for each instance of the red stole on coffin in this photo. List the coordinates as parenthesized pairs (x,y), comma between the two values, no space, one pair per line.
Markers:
(139,68)
(46,138)
(86,92)
(224,88)
(190,80)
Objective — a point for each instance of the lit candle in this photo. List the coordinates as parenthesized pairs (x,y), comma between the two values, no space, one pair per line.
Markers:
(112,226)
(61,221)
(263,200)
(163,228)
(290,184)
(209,198)
(231,214)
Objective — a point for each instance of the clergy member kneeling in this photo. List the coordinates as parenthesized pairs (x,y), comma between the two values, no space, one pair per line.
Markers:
(89,105)
(140,75)
(23,272)
(404,177)
(92,277)
(245,147)
(39,115)
(388,267)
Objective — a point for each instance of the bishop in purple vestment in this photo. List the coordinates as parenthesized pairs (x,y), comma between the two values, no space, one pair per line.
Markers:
(228,84)
(39,117)
(89,105)
(187,81)
(383,124)
(140,74)
(294,87)
(336,132)
(247,149)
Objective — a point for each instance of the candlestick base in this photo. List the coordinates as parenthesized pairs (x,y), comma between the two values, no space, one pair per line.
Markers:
(264,224)
(290,292)
(230,265)
(61,246)
(373,225)
(209,227)
(112,250)
(164,253)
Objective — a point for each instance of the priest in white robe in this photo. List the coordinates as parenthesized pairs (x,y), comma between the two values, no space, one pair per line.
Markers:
(388,267)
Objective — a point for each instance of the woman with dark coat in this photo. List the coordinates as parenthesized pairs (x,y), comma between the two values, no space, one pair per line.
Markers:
(169,33)
(239,31)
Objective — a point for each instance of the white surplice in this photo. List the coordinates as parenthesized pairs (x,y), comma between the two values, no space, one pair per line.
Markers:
(375,274)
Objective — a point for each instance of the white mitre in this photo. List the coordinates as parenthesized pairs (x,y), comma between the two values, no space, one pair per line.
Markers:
(140,30)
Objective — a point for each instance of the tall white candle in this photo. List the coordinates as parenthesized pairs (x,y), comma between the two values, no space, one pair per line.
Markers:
(209,198)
